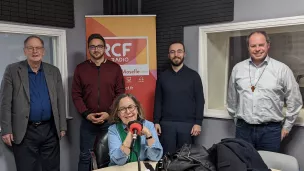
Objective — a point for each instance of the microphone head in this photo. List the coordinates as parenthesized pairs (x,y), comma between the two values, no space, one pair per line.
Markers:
(135,121)
(135,125)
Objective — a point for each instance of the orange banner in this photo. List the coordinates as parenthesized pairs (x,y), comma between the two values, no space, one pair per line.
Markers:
(131,42)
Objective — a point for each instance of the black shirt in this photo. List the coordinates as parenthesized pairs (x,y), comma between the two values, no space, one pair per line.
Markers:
(179,96)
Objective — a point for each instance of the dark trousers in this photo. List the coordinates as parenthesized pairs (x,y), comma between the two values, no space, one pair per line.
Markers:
(265,136)
(39,149)
(174,135)
(88,133)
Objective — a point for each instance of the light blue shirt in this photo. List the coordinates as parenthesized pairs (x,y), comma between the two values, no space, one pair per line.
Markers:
(274,83)
(118,157)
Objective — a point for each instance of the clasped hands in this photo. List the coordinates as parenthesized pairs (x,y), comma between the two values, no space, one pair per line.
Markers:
(98,118)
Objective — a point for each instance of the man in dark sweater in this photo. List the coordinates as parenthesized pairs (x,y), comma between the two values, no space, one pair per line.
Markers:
(96,83)
(179,102)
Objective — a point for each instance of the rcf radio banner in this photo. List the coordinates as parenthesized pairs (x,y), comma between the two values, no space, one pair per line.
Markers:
(130,42)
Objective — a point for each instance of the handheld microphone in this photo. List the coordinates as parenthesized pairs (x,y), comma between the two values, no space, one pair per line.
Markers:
(135,127)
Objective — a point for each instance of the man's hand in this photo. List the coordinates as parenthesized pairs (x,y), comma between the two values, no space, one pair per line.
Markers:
(62,134)
(158,129)
(93,117)
(196,130)
(8,139)
(104,116)
(284,134)
(101,117)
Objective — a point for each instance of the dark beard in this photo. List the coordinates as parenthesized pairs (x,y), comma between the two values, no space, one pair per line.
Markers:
(96,58)
(177,64)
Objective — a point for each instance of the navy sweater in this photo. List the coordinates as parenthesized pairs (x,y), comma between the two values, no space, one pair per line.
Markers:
(179,97)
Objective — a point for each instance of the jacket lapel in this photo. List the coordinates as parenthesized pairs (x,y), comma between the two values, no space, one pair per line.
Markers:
(49,79)
(23,73)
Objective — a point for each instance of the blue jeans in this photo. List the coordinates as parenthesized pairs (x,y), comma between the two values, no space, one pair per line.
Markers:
(266,136)
(88,133)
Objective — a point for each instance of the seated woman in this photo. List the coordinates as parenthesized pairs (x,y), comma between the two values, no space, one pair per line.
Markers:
(126,108)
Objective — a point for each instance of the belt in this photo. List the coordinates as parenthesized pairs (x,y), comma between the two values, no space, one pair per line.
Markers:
(261,124)
(37,123)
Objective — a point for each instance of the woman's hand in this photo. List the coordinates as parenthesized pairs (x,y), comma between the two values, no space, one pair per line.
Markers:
(145,131)
(150,139)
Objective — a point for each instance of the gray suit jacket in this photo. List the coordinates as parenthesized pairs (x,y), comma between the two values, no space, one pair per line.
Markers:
(15,99)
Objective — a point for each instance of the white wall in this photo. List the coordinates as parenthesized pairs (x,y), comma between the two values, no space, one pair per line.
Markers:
(247,10)
(217,63)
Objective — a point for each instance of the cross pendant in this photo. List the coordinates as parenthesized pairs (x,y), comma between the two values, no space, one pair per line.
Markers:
(252,88)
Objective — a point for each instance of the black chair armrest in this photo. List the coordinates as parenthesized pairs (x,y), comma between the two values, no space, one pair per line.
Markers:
(100,153)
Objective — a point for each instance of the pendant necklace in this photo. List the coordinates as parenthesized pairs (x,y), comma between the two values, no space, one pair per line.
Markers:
(254,86)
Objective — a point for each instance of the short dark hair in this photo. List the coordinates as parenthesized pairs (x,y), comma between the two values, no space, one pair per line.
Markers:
(96,36)
(177,42)
(33,37)
(258,32)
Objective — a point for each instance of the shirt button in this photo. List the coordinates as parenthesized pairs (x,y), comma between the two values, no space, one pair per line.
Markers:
(26,117)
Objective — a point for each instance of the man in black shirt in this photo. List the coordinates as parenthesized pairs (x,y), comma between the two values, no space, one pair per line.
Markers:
(179,102)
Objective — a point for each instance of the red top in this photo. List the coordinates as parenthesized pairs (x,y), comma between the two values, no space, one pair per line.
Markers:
(94,88)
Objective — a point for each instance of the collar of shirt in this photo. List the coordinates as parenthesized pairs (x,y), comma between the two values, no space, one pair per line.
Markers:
(125,127)
(179,71)
(266,60)
(30,69)
(94,65)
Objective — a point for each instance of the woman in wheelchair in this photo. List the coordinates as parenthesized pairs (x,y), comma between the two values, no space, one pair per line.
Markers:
(126,108)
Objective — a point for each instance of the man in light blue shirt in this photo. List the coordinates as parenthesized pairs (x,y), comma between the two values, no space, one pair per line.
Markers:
(258,88)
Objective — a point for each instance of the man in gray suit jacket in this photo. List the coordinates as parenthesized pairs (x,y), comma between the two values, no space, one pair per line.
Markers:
(33,110)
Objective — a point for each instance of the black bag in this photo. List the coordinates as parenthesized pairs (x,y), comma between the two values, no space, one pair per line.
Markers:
(236,155)
(188,158)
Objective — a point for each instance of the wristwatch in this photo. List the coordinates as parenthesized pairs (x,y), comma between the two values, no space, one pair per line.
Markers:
(149,137)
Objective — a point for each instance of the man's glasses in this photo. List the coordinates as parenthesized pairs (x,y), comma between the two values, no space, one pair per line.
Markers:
(32,49)
(98,47)
(123,110)
(178,51)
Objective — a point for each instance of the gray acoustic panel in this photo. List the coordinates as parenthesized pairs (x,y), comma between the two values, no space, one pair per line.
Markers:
(173,15)
(59,13)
